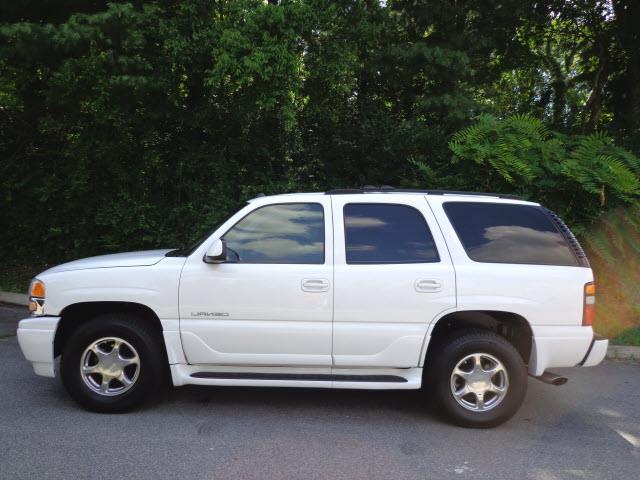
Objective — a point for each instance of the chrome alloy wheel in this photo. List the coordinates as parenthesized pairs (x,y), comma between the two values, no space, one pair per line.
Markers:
(110,366)
(479,382)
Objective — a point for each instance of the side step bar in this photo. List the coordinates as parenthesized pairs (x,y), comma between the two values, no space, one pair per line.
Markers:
(302,376)
(552,378)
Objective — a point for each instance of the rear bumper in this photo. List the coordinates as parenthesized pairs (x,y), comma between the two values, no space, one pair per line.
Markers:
(596,353)
(557,347)
(35,337)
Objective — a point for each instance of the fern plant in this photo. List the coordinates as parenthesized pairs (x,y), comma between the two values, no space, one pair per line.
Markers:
(576,175)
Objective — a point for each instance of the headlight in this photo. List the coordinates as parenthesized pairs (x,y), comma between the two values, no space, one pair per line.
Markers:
(37,294)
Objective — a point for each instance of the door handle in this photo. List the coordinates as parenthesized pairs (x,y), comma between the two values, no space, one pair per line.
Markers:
(315,285)
(428,285)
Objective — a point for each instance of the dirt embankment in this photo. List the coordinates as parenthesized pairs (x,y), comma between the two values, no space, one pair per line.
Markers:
(613,247)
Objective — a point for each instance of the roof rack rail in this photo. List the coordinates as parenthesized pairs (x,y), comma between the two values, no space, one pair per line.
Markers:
(389,189)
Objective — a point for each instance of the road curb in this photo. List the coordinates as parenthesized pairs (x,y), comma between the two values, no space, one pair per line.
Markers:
(623,352)
(14,298)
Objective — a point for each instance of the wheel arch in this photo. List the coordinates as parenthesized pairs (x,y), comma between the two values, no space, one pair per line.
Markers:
(513,327)
(74,315)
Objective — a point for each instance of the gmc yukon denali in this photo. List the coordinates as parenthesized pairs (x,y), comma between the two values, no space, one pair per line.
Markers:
(462,294)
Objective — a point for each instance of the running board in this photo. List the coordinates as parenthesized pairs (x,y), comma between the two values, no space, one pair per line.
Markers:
(308,377)
(379,378)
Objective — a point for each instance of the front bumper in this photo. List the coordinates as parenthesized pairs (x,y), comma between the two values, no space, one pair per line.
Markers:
(35,337)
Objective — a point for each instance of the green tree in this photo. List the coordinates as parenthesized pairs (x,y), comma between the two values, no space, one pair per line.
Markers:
(133,125)
(575,175)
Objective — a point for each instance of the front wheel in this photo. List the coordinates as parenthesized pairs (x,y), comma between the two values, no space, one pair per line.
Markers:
(112,363)
(480,379)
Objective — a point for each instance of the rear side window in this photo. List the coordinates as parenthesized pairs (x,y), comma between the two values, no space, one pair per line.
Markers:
(507,233)
(378,233)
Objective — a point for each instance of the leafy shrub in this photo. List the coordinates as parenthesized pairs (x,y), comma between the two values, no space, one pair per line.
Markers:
(630,336)
(576,175)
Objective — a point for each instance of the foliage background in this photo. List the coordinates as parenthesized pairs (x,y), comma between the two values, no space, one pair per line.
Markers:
(613,248)
(132,125)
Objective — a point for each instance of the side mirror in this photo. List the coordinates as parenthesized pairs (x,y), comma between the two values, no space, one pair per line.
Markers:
(216,253)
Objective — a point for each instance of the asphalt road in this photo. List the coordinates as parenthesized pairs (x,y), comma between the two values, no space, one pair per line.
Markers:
(587,429)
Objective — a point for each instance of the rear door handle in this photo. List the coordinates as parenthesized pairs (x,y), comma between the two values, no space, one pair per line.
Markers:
(428,285)
(315,285)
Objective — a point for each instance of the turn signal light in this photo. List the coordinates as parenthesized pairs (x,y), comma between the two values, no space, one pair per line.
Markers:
(37,289)
(589,307)
(36,297)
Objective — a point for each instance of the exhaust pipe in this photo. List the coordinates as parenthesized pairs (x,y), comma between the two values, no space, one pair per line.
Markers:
(552,378)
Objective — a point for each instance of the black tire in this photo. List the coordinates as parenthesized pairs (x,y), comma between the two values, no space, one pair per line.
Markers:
(454,350)
(139,334)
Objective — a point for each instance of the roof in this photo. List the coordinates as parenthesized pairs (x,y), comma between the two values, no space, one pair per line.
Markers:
(388,189)
(385,189)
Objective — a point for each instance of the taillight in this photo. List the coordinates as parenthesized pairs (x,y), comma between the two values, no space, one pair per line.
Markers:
(589,307)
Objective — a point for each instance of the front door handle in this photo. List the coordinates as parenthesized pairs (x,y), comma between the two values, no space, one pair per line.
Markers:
(428,285)
(315,285)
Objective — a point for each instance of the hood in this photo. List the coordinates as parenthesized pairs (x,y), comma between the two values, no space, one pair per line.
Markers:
(129,259)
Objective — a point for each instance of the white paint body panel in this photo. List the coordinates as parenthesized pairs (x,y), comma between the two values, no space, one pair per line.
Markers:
(35,337)
(260,313)
(127,259)
(597,353)
(544,295)
(380,319)
(182,375)
(371,320)
(558,347)
(155,286)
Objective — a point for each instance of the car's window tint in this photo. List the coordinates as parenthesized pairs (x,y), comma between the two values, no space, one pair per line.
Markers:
(508,233)
(283,233)
(387,233)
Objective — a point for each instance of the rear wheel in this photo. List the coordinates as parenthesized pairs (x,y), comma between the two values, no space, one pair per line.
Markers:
(480,379)
(112,363)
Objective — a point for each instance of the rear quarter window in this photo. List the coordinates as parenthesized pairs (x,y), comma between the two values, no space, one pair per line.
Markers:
(509,233)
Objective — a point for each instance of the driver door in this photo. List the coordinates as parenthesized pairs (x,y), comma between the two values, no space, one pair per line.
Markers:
(271,302)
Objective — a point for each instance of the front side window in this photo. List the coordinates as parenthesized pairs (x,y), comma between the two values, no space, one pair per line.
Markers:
(283,233)
(508,233)
(378,233)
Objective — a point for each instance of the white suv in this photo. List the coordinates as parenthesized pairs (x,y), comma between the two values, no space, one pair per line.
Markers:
(369,288)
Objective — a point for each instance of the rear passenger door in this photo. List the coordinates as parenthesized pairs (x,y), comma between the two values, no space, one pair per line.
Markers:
(392,276)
